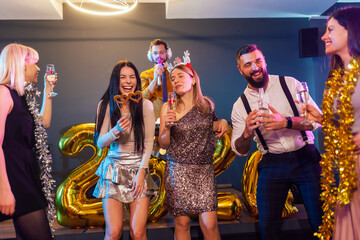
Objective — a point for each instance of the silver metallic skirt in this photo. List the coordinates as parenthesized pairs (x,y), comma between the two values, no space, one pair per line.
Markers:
(116,175)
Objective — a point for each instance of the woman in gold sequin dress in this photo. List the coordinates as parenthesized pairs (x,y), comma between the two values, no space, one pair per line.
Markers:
(188,134)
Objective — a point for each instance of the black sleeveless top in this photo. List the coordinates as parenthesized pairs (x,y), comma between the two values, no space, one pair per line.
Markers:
(21,163)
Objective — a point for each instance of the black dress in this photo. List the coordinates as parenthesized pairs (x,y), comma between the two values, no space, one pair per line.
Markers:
(21,163)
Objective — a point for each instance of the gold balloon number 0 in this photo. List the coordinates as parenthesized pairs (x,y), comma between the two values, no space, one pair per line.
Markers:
(249,185)
(75,210)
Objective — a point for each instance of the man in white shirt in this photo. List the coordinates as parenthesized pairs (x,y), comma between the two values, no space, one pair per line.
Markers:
(287,145)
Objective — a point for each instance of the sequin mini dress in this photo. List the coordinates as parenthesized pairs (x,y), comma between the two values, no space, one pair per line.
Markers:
(189,175)
(119,169)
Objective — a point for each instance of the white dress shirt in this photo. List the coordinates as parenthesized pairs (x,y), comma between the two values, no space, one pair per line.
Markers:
(278,141)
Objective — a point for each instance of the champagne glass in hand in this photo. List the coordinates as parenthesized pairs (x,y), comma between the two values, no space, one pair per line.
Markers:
(171,103)
(302,95)
(51,77)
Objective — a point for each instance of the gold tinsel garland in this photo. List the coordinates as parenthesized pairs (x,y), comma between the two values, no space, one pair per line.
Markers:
(338,144)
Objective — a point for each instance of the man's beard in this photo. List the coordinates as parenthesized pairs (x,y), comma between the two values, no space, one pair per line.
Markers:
(258,84)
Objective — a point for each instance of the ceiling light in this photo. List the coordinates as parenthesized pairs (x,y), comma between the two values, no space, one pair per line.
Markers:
(118,7)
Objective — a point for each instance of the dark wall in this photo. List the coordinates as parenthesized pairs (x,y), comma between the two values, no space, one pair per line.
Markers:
(84,49)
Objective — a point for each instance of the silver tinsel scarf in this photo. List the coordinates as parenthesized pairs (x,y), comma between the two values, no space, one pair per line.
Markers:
(42,152)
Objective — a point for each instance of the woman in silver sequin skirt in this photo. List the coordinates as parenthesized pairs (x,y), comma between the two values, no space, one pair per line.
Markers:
(188,135)
(127,127)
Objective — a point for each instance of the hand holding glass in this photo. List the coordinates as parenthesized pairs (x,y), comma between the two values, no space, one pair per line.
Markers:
(51,77)
(302,95)
(171,103)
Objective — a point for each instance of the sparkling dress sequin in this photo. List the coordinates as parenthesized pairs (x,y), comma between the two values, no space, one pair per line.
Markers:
(189,176)
(116,175)
(118,170)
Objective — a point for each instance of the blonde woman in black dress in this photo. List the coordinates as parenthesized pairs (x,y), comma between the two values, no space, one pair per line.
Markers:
(21,195)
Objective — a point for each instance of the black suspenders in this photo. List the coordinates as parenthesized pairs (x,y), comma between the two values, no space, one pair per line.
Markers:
(248,110)
(292,104)
(293,107)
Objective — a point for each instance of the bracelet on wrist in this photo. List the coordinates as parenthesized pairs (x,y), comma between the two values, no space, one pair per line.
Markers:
(289,123)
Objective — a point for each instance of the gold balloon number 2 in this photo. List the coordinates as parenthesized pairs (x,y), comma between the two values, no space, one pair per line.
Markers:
(75,210)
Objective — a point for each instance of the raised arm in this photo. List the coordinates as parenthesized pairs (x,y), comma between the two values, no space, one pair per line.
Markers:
(46,109)
(244,126)
(166,116)
(107,134)
(149,80)
(148,84)
(242,143)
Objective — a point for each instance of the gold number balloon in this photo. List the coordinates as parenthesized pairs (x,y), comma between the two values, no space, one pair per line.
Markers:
(223,155)
(229,206)
(249,185)
(74,209)
(157,208)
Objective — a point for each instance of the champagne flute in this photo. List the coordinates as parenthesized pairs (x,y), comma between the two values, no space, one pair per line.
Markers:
(171,103)
(51,77)
(302,95)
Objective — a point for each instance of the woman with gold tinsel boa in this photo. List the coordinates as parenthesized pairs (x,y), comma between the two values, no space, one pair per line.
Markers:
(341,125)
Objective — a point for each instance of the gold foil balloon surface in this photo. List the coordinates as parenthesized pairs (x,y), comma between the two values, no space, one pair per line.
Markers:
(75,210)
(229,206)
(223,155)
(157,208)
(249,186)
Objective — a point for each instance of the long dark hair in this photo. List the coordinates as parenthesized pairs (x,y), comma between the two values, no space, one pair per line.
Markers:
(349,18)
(136,109)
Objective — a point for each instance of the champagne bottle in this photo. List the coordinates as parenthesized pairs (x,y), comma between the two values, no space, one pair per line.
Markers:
(263,106)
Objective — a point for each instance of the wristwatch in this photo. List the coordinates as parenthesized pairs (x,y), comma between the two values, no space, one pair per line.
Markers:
(162,151)
(289,122)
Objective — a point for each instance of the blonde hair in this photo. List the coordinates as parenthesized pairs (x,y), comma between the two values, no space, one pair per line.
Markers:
(13,59)
(204,104)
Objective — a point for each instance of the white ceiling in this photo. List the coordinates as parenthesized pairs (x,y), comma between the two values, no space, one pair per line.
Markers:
(182,9)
